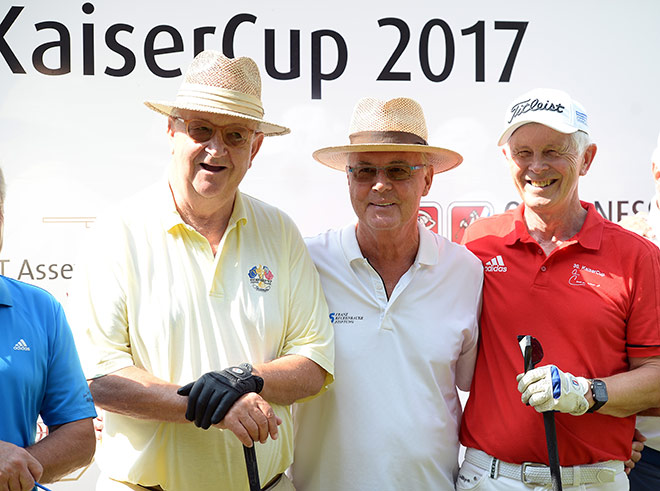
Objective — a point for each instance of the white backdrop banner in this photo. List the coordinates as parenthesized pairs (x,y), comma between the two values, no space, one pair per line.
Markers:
(75,137)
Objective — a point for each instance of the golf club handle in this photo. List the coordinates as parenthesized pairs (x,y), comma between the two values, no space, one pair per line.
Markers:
(553,452)
(252,470)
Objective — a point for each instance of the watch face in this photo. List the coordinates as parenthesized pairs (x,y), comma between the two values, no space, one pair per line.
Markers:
(599,391)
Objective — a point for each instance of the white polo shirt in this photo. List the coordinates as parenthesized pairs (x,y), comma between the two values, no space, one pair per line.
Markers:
(156,297)
(390,420)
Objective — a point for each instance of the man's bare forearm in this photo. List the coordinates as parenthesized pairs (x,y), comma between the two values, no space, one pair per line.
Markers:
(633,391)
(134,392)
(66,448)
(290,378)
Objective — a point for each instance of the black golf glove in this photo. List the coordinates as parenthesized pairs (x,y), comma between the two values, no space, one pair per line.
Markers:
(212,395)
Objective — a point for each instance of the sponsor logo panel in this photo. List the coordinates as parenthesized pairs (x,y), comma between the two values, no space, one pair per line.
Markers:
(430,215)
(462,213)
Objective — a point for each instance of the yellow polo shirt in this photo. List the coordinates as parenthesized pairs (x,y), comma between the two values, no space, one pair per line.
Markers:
(153,295)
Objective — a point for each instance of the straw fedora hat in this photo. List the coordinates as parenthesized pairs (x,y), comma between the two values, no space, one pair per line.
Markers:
(397,125)
(221,85)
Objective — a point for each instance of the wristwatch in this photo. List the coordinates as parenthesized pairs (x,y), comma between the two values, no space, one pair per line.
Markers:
(599,394)
(242,371)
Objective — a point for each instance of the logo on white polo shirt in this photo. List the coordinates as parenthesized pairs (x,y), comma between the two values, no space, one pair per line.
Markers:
(495,265)
(344,318)
(261,278)
(21,346)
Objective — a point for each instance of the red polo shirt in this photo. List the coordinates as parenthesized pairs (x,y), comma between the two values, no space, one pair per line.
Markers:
(592,303)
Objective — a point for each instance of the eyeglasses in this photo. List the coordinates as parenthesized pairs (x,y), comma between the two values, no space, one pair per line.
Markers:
(394,172)
(234,135)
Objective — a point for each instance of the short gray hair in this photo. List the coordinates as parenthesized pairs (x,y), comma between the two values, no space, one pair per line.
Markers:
(581,141)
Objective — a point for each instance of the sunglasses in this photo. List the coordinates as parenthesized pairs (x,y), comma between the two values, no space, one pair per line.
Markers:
(394,172)
(234,135)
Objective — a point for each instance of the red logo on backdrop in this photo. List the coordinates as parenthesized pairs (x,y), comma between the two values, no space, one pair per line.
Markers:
(463,213)
(430,215)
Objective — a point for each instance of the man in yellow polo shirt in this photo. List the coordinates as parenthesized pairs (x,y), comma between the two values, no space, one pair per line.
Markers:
(201,317)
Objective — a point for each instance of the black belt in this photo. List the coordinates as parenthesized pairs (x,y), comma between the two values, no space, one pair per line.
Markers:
(270,483)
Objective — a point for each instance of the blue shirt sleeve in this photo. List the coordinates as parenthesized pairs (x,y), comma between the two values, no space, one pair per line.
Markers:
(67,397)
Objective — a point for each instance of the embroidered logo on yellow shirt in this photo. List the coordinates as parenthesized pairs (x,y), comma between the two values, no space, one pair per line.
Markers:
(261,278)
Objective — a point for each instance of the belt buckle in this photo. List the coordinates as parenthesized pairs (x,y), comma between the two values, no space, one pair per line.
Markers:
(523,476)
(605,474)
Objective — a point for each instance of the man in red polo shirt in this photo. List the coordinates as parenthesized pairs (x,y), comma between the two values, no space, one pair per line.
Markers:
(588,290)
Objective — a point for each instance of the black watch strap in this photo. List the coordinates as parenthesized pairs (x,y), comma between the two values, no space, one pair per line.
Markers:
(599,395)
(241,372)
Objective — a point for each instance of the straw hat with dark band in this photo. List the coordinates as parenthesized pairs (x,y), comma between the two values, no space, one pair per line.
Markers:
(220,85)
(397,125)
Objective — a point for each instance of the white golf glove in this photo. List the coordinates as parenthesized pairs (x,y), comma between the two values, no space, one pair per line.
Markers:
(547,388)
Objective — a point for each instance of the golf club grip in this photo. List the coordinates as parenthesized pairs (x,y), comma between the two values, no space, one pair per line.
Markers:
(553,453)
(252,470)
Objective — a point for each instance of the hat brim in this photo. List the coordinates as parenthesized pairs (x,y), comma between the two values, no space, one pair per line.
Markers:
(166,108)
(565,128)
(441,159)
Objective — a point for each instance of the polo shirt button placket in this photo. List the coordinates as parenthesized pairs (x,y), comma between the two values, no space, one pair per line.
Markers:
(385,322)
(541,279)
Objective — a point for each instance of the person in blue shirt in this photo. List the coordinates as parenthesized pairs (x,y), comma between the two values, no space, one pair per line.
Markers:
(40,374)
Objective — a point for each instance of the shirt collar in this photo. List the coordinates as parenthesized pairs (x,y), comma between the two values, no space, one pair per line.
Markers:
(172,219)
(5,296)
(589,236)
(349,242)
(427,252)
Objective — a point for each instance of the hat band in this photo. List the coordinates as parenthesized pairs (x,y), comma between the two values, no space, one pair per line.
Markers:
(385,137)
(219,98)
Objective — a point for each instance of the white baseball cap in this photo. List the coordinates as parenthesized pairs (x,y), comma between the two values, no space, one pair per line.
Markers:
(553,108)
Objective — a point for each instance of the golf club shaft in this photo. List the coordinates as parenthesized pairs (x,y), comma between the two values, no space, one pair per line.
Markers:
(252,470)
(528,346)
(553,453)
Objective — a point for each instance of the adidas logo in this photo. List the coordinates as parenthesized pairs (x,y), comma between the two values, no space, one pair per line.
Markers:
(21,346)
(495,265)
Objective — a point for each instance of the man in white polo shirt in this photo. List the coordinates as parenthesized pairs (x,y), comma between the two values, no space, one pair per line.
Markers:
(195,284)
(404,303)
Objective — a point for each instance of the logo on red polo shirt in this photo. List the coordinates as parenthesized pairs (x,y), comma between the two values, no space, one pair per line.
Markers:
(261,278)
(463,213)
(584,275)
(495,265)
